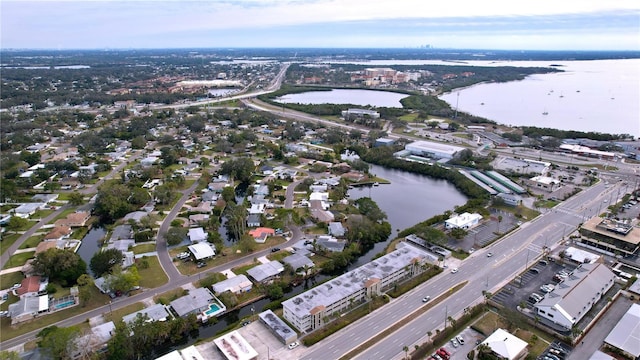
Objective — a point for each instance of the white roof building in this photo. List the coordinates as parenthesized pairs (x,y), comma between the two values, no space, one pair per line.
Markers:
(506,346)
(202,250)
(236,285)
(572,299)
(625,336)
(234,347)
(463,221)
(266,272)
(433,149)
(197,235)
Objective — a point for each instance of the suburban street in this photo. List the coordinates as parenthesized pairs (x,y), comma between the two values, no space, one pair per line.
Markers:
(511,256)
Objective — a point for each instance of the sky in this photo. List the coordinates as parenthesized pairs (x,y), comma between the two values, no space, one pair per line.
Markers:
(462,24)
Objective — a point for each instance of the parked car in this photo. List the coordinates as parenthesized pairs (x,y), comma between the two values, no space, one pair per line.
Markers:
(460,339)
(454,270)
(443,352)
(201,264)
(293,345)
(275,249)
(454,343)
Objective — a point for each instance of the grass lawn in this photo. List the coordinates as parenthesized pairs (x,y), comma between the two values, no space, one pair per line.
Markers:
(96,300)
(7,280)
(117,315)
(19,259)
(10,300)
(144,248)
(167,297)
(525,212)
(537,344)
(489,323)
(31,242)
(153,276)
(243,269)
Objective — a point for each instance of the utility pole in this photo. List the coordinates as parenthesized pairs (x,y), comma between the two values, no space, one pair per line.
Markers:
(446,314)
(455,115)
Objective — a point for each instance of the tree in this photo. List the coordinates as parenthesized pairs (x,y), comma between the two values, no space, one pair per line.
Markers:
(175,235)
(169,156)
(9,355)
(238,169)
(31,158)
(16,223)
(406,351)
(112,202)
(76,198)
(102,262)
(58,343)
(123,281)
(228,194)
(499,221)
(85,284)
(458,233)
(60,265)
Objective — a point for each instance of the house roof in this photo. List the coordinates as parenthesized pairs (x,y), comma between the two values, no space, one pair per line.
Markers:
(202,250)
(234,284)
(505,345)
(155,312)
(261,231)
(45,245)
(297,261)
(196,299)
(626,334)
(58,232)
(29,285)
(265,271)
(197,234)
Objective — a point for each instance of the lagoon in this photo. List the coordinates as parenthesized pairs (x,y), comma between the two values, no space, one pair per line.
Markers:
(407,200)
(345,96)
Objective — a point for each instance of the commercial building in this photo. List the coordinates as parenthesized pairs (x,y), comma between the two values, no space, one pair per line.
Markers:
(572,299)
(625,336)
(279,328)
(610,235)
(234,347)
(463,221)
(315,307)
(545,183)
(433,149)
(358,113)
(506,346)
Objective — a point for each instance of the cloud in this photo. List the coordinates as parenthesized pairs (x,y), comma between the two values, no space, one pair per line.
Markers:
(255,22)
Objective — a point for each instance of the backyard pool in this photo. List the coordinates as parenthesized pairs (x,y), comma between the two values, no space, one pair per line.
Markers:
(65,304)
(213,309)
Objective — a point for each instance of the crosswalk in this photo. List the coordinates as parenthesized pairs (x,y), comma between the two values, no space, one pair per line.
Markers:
(569,212)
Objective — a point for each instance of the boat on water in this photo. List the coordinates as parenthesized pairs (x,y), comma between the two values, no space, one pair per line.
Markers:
(376,183)
(545,112)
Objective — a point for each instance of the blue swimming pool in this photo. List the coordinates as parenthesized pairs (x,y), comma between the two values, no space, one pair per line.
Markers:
(213,308)
(65,304)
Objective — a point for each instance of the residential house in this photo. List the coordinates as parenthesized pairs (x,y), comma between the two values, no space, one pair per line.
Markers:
(197,235)
(93,342)
(135,216)
(330,243)
(299,262)
(336,229)
(31,286)
(58,233)
(26,210)
(197,219)
(260,234)
(28,308)
(202,250)
(121,232)
(155,312)
(76,219)
(254,220)
(44,198)
(237,285)
(197,301)
(266,273)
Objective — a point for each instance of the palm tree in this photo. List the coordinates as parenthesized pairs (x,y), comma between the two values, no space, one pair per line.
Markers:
(406,351)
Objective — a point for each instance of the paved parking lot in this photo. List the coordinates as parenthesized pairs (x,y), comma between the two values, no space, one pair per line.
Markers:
(485,233)
(471,337)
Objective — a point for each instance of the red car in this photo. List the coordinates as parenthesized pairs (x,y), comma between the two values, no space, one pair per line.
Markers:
(443,353)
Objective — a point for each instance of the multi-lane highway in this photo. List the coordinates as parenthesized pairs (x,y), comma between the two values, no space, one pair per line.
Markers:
(511,255)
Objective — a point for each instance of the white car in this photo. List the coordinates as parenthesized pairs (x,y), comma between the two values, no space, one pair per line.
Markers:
(454,270)
(293,345)
(489,254)
(454,342)
(426,298)
(460,339)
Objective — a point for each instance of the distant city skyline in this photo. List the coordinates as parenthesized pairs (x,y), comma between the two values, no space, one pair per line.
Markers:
(462,24)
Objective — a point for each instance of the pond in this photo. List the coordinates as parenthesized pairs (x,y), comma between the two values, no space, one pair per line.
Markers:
(345,96)
(408,200)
